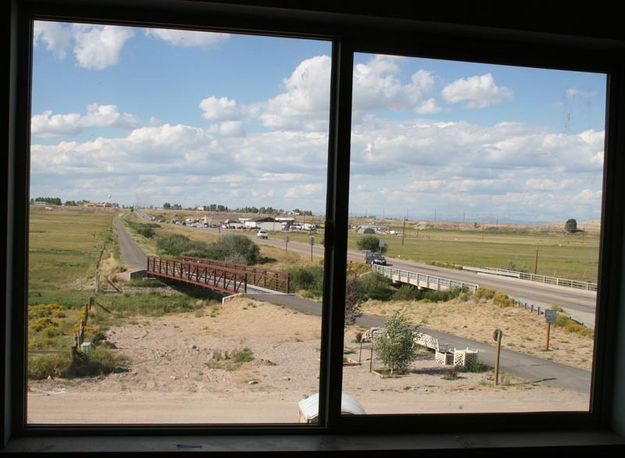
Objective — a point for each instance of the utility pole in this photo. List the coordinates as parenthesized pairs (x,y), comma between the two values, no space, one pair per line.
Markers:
(536,262)
(403,233)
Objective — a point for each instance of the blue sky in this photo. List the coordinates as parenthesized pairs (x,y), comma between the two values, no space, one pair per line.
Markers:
(153,116)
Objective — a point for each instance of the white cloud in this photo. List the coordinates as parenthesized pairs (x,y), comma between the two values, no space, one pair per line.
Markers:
(97,47)
(228,129)
(377,86)
(572,93)
(476,92)
(296,192)
(48,124)
(305,102)
(258,169)
(428,107)
(107,115)
(220,109)
(56,37)
(188,38)
(503,169)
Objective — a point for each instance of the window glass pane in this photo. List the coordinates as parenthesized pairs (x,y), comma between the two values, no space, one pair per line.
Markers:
(475,199)
(176,226)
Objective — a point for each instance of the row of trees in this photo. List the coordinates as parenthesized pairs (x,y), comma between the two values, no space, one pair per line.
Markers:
(246,209)
(47,200)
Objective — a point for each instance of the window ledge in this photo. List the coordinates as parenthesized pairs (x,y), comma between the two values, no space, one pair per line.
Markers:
(431,444)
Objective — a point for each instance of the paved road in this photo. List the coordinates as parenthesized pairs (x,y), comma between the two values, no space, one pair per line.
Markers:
(132,256)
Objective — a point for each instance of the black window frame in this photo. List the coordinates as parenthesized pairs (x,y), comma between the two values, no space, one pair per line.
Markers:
(348,34)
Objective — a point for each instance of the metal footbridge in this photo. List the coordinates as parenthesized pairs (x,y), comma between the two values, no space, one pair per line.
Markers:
(218,276)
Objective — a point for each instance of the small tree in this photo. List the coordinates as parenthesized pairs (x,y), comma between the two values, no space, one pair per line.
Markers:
(396,345)
(370,243)
(570,226)
(352,300)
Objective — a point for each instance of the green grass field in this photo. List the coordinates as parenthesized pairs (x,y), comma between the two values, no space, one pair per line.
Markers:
(64,246)
(572,256)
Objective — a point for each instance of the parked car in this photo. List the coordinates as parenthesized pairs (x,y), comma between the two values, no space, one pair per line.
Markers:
(375,258)
(262,234)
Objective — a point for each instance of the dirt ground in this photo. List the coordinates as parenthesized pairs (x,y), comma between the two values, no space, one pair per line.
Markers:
(169,379)
(523,331)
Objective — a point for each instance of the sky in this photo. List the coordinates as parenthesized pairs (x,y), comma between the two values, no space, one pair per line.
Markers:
(148,116)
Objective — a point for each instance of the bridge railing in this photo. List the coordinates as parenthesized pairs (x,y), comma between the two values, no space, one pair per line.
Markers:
(424,280)
(217,278)
(257,276)
(588,286)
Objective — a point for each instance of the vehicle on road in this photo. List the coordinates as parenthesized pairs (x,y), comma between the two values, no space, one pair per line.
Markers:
(375,258)
(262,234)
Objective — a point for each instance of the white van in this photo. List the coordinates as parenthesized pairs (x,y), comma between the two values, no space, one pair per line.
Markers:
(262,234)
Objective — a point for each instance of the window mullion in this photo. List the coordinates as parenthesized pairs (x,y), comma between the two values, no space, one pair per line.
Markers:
(336,233)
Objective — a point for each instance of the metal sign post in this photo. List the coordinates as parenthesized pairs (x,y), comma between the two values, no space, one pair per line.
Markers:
(381,245)
(550,318)
(286,243)
(497,335)
(312,242)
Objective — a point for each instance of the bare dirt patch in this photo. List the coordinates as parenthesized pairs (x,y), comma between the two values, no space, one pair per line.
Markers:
(170,379)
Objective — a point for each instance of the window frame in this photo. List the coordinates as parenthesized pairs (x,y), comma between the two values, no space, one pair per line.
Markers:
(348,34)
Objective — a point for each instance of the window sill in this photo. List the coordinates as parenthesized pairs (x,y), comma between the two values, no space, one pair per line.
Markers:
(430,444)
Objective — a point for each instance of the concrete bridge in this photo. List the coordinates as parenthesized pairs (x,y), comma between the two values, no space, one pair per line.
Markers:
(421,280)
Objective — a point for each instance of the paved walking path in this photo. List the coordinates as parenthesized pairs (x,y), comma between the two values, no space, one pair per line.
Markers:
(133,257)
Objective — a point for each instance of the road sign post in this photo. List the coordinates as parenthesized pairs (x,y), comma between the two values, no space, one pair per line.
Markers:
(312,242)
(497,335)
(550,318)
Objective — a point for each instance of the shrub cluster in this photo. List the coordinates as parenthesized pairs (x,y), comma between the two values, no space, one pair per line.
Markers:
(100,361)
(502,300)
(370,243)
(412,293)
(230,360)
(484,293)
(231,248)
(144,229)
(307,278)
(572,326)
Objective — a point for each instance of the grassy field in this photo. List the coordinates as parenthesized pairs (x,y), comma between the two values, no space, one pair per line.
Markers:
(573,256)
(64,247)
